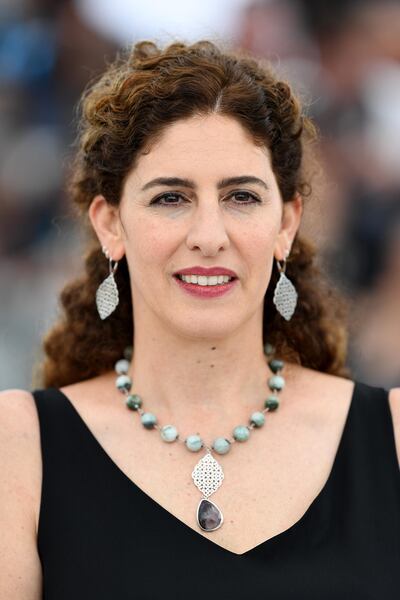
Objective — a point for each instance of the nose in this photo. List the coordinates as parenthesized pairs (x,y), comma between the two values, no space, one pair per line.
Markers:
(207,230)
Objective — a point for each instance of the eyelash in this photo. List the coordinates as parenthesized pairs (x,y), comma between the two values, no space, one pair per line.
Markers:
(255,199)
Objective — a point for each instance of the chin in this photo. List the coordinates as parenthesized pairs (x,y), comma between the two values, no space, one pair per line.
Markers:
(204,327)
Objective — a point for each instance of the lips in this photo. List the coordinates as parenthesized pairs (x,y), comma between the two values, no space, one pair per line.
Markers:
(206,271)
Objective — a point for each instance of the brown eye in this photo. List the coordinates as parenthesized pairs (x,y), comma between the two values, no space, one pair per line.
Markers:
(168,199)
(244,198)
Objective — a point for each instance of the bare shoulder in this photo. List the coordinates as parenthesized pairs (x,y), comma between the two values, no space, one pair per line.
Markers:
(340,389)
(318,389)
(17,408)
(19,432)
(19,427)
(20,485)
(394,402)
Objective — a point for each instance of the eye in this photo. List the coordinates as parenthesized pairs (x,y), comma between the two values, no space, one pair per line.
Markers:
(170,199)
(244,197)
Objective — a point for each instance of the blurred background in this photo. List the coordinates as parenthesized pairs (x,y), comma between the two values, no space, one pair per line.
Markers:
(344,60)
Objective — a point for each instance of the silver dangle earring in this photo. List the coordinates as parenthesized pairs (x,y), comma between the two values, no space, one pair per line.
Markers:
(285,294)
(107,297)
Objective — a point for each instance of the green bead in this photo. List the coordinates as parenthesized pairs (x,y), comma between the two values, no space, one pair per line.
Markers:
(275,365)
(272,403)
(133,401)
(241,433)
(123,382)
(276,382)
(148,420)
(221,445)
(258,418)
(169,433)
(128,353)
(194,443)
(268,349)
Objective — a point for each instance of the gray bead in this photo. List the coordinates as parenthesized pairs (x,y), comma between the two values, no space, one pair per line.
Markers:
(258,418)
(221,445)
(122,366)
(241,433)
(276,382)
(194,443)
(123,382)
(169,433)
(148,420)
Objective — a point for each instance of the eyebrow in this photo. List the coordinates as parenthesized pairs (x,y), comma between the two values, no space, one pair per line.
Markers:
(188,183)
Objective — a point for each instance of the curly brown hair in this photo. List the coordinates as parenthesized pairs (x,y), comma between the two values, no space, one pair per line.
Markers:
(143,91)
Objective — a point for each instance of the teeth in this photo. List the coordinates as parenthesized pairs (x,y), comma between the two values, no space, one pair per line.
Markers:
(203,280)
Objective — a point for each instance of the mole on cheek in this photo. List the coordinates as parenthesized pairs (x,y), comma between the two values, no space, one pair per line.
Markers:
(213,348)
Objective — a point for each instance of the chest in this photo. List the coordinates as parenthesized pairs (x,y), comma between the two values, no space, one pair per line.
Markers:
(269,482)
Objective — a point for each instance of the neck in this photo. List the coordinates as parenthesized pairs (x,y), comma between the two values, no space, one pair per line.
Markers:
(204,385)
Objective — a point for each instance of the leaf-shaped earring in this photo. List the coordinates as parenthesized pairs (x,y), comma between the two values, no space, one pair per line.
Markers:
(107,297)
(285,294)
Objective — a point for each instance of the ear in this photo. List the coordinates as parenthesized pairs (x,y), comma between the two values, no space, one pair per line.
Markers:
(291,218)
(107,225)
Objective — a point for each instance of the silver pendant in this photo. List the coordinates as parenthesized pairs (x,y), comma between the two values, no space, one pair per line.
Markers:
(208,476)
(107,297)
(285,297)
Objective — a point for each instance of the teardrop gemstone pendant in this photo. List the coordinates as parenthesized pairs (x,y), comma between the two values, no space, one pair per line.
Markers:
(209,516)
(208,476)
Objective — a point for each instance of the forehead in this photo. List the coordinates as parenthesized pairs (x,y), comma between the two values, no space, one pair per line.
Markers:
(208,145)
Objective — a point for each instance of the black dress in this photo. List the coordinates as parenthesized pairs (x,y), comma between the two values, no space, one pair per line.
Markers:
(103,538)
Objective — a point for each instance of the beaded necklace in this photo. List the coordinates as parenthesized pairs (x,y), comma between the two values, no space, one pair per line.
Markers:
(207,474)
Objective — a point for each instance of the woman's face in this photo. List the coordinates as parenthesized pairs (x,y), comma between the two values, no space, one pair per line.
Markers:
(220,207)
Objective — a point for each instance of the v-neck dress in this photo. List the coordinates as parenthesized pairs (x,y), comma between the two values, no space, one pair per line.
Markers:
(102,537)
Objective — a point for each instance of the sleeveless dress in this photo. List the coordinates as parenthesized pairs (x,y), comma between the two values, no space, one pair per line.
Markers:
(102,537)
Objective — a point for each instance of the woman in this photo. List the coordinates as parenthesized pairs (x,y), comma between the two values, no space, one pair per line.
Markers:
(122,475)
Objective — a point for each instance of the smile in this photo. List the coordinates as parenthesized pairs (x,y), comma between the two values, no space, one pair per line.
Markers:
(203,280)
(206,287)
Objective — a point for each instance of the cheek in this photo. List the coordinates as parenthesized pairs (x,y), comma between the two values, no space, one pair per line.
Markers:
(150,244)
(260,242)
